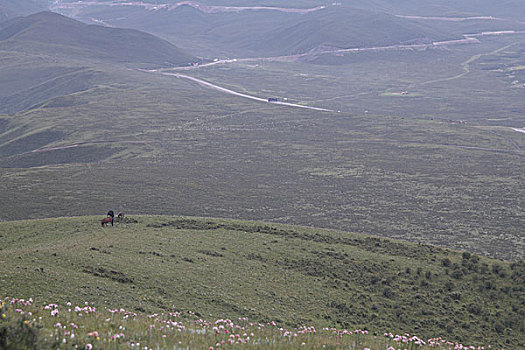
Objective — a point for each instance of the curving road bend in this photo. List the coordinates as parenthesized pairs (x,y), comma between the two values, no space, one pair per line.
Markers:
(235,93)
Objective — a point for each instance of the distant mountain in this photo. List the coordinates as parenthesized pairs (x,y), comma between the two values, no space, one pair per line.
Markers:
(210,27)
(207,33)
(344,27)
(46,55)
(56,35)
(14,8)
(502,8)
(268,32)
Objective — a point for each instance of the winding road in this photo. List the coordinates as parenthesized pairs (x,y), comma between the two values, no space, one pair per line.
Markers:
(74,145)
(453,19)
(467,39)
(57,5)
(235,93)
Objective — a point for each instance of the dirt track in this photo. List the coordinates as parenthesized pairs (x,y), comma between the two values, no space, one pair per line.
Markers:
(58,148)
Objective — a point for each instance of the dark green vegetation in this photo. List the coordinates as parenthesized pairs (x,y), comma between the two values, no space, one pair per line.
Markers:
(267,272)
(18,335)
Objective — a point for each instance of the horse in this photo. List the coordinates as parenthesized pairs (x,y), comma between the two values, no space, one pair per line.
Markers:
(106,221)
(120,215)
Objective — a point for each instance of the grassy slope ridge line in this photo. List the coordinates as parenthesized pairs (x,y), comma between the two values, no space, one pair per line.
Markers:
(288,274)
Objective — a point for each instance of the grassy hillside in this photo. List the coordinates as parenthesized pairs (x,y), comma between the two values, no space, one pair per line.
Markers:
(58,36)
(263,32)
(290,275)
(344,27)
(47,55)
(196,31)
(266,33)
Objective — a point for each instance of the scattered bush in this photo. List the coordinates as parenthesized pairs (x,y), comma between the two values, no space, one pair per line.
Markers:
(388,292)
(499,328)
(19,335)
(457,274)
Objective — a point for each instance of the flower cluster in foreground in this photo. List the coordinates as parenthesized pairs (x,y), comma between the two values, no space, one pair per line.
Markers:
(86,327)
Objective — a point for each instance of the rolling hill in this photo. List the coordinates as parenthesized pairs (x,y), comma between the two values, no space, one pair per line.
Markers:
(56,35)
(343,27)
(288,274)
(48,55)
(264,32)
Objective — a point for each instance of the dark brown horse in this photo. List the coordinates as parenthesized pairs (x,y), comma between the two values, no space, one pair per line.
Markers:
(106,221)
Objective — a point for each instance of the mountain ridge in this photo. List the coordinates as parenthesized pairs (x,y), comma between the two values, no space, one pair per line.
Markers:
(345,27)
(52,55)
(55,34)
